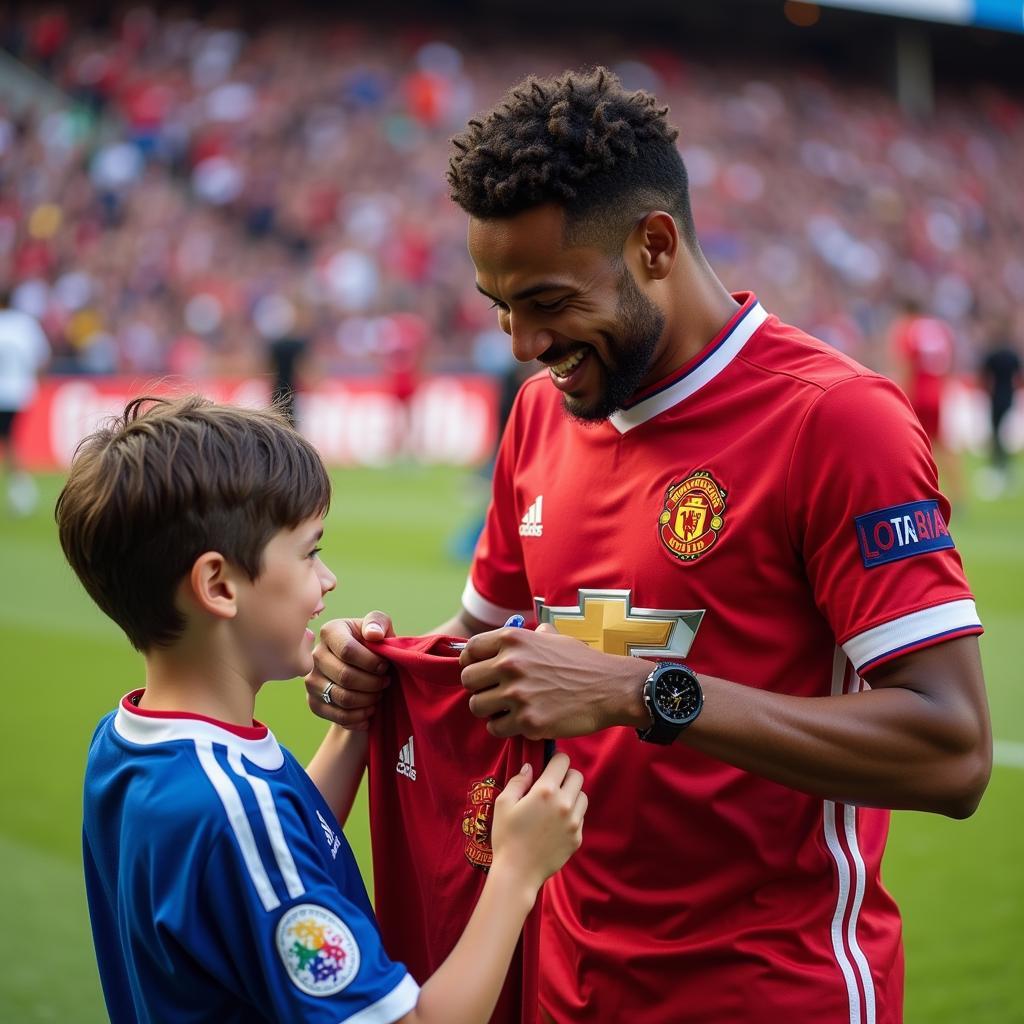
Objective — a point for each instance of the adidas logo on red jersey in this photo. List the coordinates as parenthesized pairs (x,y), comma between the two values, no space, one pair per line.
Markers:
(532,526)
(406,762)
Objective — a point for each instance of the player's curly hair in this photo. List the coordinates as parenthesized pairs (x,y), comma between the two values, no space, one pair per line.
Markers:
(605,155)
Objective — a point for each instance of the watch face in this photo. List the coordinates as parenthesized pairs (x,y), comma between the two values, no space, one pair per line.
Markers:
(677,696)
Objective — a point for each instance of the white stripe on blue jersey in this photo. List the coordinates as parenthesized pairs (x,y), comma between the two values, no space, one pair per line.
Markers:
(239,822)
(272,823)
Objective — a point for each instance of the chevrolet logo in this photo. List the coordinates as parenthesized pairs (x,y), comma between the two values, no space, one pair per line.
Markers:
(607,621)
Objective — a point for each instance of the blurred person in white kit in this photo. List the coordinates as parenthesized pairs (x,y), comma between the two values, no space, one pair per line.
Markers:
(24,352)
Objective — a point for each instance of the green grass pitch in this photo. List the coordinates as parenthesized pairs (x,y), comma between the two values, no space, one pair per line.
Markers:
(960,884)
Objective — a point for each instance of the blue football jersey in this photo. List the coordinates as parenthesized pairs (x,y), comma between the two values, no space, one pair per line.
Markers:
(220,885)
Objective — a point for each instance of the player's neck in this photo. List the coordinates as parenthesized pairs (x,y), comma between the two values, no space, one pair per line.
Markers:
(700,306)
(198,679)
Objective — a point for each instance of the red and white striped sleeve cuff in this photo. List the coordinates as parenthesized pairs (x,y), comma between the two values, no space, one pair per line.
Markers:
(912,632)
(486,611)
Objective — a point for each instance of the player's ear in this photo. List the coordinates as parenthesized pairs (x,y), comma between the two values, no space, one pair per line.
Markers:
(212,585)
(656,238)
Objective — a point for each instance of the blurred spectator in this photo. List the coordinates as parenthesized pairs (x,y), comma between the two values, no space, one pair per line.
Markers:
(277,320)
(402,341)
(24,352)
(1000,375)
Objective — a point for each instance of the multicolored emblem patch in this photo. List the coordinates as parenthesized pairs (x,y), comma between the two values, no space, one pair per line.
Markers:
(692,516)
(476,822)
(318,950)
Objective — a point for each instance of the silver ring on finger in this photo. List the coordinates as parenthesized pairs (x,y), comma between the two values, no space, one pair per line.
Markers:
(326,695)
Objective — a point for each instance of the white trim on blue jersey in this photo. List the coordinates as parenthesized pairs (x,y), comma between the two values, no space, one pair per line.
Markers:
(397,1003)
(142,729)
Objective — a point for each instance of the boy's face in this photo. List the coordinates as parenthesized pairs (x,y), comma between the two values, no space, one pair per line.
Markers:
(275,609)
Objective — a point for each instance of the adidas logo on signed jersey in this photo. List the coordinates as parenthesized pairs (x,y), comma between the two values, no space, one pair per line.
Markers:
(531,526)
(333,842)
(406,762)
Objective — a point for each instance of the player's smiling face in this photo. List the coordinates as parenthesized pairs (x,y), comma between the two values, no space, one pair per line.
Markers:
(577,309)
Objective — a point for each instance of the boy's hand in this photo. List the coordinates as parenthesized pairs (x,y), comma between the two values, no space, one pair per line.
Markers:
(357,674)
(538,828)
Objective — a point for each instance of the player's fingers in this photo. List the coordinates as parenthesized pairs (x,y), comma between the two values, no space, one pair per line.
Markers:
(342,640)
(377,625)
(347,675)
(503,726)
(479,677)
(483,646)
(488,704)
(545,627)
(349,718)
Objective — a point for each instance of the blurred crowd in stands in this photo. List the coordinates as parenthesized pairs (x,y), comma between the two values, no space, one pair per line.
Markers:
(198,192)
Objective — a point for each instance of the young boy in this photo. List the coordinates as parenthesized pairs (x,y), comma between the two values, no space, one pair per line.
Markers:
(220,887)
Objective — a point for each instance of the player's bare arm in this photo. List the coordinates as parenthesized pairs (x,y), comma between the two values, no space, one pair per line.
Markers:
(351,675)
(919,738)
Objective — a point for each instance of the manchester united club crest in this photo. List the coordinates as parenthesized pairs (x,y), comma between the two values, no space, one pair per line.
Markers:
(692,517)
(476,822)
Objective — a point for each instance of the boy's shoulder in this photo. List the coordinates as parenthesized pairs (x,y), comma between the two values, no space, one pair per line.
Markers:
(183,776)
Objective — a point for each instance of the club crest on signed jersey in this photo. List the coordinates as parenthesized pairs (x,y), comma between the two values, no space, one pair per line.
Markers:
(476,822)
(692,515)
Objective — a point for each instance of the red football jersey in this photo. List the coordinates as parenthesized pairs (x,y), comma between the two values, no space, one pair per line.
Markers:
(769,514)
(434,773)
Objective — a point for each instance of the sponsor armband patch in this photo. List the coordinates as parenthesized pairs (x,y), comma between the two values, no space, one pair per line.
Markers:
(901,531)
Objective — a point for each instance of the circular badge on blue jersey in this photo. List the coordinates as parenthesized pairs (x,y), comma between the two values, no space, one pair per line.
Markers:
(318,949)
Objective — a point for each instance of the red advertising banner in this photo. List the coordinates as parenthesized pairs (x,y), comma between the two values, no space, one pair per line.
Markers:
(352,421)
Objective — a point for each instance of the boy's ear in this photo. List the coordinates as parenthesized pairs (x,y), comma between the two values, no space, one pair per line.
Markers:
(213,585)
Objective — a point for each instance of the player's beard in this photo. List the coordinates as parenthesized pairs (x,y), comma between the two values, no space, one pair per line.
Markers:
(631,346)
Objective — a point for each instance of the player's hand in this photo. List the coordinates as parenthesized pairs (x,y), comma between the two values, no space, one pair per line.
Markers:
(538,827)
(541,685)
(357,673)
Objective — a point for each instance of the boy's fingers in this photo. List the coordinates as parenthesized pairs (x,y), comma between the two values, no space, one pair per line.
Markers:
(516,787)
(579,810)
(572,785)
(555,772)
(546,627)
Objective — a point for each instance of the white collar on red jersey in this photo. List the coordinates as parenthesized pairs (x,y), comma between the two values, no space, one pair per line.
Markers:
(703,368)
(147,730)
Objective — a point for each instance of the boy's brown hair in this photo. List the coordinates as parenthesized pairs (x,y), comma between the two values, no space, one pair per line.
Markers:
(169,479)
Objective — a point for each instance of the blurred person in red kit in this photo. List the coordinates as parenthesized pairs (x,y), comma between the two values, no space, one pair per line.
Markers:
(924,351)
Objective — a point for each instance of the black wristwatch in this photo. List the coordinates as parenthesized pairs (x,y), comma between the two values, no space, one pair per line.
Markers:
(673,698)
